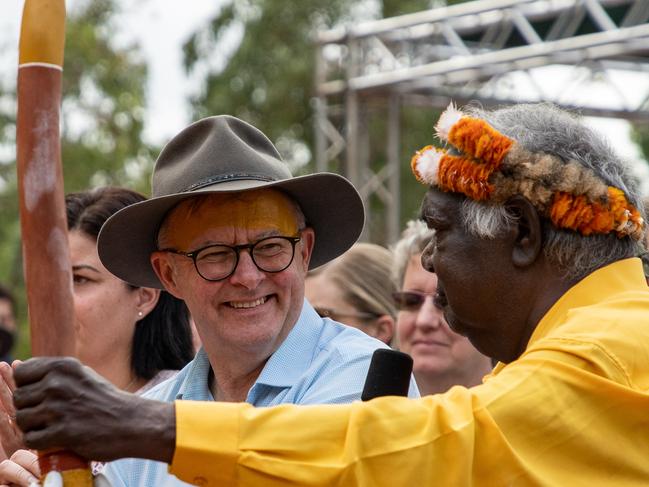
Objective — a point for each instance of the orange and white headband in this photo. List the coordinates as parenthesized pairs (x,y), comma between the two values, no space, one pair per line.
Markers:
(493,167)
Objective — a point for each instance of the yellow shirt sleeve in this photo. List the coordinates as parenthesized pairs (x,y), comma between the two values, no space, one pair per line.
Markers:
(548,420)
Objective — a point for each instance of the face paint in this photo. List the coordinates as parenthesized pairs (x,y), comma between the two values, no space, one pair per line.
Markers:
(265,209)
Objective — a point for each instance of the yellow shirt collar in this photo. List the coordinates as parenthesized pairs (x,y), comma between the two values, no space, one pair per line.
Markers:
(623,275)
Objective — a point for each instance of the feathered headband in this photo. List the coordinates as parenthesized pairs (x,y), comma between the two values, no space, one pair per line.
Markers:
(494,168)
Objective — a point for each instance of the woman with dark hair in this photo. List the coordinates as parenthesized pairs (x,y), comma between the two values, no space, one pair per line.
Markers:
(135,337)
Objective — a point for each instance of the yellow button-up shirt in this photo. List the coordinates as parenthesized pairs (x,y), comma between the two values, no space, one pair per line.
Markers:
(573,410)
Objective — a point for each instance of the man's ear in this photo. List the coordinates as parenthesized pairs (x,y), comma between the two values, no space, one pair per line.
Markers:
(527,231)
(308,241)
(165,270)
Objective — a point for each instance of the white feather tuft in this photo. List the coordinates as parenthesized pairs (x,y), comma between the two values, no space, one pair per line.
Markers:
(446,121)
(428,165)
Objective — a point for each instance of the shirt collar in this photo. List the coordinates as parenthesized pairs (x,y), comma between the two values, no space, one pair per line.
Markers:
(283,368)
(295,354)
(195,385)
(619,277)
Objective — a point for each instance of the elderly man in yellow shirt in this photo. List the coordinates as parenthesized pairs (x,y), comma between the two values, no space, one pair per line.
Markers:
(538,227)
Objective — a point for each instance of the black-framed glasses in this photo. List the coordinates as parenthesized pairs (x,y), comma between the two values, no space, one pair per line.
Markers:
(218,262)
(409,300)
(335,315)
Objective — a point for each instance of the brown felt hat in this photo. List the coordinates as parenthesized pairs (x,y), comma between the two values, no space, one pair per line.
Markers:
(225,154)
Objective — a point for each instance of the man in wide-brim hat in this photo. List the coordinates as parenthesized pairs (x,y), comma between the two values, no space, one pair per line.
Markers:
(232,233)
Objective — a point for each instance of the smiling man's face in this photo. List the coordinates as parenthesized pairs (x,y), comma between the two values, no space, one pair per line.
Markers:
(475,280)
(250,312)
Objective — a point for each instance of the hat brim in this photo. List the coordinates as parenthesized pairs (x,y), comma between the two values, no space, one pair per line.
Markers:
(331,206)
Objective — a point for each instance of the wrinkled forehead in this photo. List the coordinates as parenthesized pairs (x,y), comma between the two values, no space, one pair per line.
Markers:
(266,210)
(441,203)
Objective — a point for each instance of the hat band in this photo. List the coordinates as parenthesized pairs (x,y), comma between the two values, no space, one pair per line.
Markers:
(224,178)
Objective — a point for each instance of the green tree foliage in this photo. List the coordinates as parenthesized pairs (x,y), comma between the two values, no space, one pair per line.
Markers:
(102,119)
(392,8)
(103,104)
(640,135)
(267,78)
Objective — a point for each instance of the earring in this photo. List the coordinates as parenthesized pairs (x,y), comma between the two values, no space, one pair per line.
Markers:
(140,314)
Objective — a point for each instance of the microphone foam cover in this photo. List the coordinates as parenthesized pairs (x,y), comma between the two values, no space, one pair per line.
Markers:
(388,375)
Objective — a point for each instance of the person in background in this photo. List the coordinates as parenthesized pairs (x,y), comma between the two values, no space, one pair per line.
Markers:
(136,337)
(8,323)
(356,290)
(441,357)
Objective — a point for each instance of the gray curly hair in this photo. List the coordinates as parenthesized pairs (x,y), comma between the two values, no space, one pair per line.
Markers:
(546,128)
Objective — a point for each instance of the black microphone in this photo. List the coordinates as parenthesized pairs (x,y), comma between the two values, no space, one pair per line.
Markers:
(388,375)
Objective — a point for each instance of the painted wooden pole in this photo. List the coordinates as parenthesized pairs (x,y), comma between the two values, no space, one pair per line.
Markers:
(46,258)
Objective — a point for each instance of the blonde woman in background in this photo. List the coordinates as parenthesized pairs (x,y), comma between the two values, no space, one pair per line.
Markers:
(356,289)
(441,357)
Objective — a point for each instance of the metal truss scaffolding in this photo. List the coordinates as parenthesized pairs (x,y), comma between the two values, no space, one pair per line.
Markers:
(583,54)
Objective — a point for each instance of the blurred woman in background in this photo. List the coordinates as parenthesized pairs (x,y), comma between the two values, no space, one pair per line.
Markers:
(441,357)
(133,336)
(356,289)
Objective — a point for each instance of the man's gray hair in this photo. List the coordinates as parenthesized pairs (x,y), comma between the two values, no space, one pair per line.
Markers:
(545,128)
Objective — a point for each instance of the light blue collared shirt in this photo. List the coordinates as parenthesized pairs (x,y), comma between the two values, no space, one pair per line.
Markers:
(320,362)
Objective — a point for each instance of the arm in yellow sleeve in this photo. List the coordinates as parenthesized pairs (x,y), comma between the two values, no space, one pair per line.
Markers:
(543,421)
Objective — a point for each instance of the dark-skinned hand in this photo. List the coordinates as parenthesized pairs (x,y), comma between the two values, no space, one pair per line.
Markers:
(62,404)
